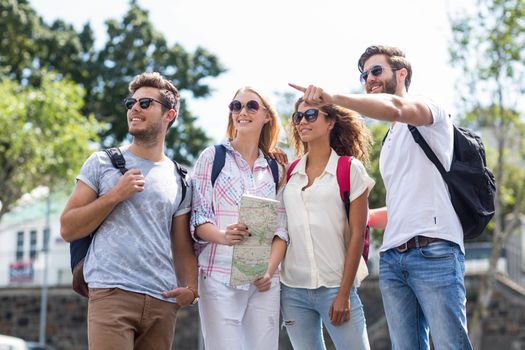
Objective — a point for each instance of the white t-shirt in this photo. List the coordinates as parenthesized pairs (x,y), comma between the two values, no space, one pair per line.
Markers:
(316,224)
(417,197)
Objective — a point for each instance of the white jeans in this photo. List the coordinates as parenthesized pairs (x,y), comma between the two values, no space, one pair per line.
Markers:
(238,319)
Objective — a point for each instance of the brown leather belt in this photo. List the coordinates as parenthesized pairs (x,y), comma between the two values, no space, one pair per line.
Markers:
(422,240)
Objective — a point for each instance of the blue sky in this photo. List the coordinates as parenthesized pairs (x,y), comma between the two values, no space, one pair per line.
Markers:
(266,44)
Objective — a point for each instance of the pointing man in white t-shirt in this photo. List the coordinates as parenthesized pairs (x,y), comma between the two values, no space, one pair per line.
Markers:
(422,255)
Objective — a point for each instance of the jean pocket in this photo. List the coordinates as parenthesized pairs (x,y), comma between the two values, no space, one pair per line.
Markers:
(439,250)
(96,294)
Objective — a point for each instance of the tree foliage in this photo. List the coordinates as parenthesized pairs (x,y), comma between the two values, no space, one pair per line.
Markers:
(43,136)
(488,46)
(377,196)
(133,46)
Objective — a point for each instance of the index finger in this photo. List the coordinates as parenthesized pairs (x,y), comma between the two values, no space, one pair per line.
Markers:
(297,87)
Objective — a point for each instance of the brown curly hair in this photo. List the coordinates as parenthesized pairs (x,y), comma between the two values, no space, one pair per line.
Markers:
(348,137)
(169,95)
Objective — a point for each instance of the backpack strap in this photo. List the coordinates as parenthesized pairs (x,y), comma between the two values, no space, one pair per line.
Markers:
(119,162)
(418,138)
(275,170)
(384,137)
(182,171)
(117,159)
(218,162)
(343,179)
(220,159)
(291,167)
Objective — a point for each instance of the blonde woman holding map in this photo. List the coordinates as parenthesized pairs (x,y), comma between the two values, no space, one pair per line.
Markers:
(323,263)
(238,316)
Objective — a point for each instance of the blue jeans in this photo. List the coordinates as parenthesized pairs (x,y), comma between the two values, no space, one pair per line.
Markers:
(423,289)
(306,310)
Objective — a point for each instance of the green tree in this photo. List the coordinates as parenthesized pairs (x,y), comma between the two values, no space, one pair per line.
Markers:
(18,24)
(28,45)
(377,196)
(488,46)
(44,137)
(133,46)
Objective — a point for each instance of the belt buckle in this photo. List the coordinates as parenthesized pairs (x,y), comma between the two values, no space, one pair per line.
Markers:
(403,247)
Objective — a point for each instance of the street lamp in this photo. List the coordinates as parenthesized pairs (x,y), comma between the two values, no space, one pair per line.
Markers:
(43,295)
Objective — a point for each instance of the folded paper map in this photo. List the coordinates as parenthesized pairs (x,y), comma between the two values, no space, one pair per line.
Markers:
(250,257)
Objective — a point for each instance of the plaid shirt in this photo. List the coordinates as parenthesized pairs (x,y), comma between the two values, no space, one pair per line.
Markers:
(219,205)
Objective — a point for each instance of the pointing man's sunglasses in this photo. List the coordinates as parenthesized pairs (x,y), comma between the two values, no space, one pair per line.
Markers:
(236,106)
(376,71)
(144,102)
(310,116)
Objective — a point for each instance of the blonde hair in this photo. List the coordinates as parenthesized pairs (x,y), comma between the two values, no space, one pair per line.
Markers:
(270,131)
(348,137)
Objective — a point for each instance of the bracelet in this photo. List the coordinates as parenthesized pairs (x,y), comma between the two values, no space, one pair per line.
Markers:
(194,291)
(195,295)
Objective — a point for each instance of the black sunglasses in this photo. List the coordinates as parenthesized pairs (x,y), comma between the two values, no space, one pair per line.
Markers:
(376,71)
(310,115)
(144,102)
(236,106)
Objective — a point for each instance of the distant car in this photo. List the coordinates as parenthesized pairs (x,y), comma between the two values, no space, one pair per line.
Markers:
(12,343)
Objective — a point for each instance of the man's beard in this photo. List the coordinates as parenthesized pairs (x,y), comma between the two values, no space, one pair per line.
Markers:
(390,86)
(146,136)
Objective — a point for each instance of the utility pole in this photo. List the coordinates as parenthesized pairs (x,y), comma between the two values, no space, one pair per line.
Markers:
(43,296)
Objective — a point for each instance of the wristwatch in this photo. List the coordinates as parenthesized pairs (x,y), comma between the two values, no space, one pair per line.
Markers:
(195,295)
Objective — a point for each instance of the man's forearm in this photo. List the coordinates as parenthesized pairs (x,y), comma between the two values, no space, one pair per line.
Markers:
(186,269)
(76,223)
(387,107)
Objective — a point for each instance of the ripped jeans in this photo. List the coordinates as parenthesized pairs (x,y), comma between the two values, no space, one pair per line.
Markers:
(305,311)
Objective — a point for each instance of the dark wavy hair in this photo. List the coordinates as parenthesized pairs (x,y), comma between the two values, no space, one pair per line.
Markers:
(348,137)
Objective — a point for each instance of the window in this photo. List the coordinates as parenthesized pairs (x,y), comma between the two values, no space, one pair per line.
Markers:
(32,245)
(19,245)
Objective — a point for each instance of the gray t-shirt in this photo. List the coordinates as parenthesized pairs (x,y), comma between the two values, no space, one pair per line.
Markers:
(131,250)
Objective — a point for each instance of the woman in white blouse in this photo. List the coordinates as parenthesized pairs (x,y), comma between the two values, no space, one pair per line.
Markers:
(323,258)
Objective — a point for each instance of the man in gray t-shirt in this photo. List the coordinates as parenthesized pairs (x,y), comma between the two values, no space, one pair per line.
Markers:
(140,267)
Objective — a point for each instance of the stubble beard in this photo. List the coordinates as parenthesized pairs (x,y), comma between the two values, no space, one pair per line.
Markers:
(389,87)
(147,137)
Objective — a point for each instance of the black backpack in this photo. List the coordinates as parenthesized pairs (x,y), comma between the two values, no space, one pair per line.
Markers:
(471,184)
(79,248)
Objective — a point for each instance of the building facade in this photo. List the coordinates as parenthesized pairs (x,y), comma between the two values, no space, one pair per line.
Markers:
(25,240)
